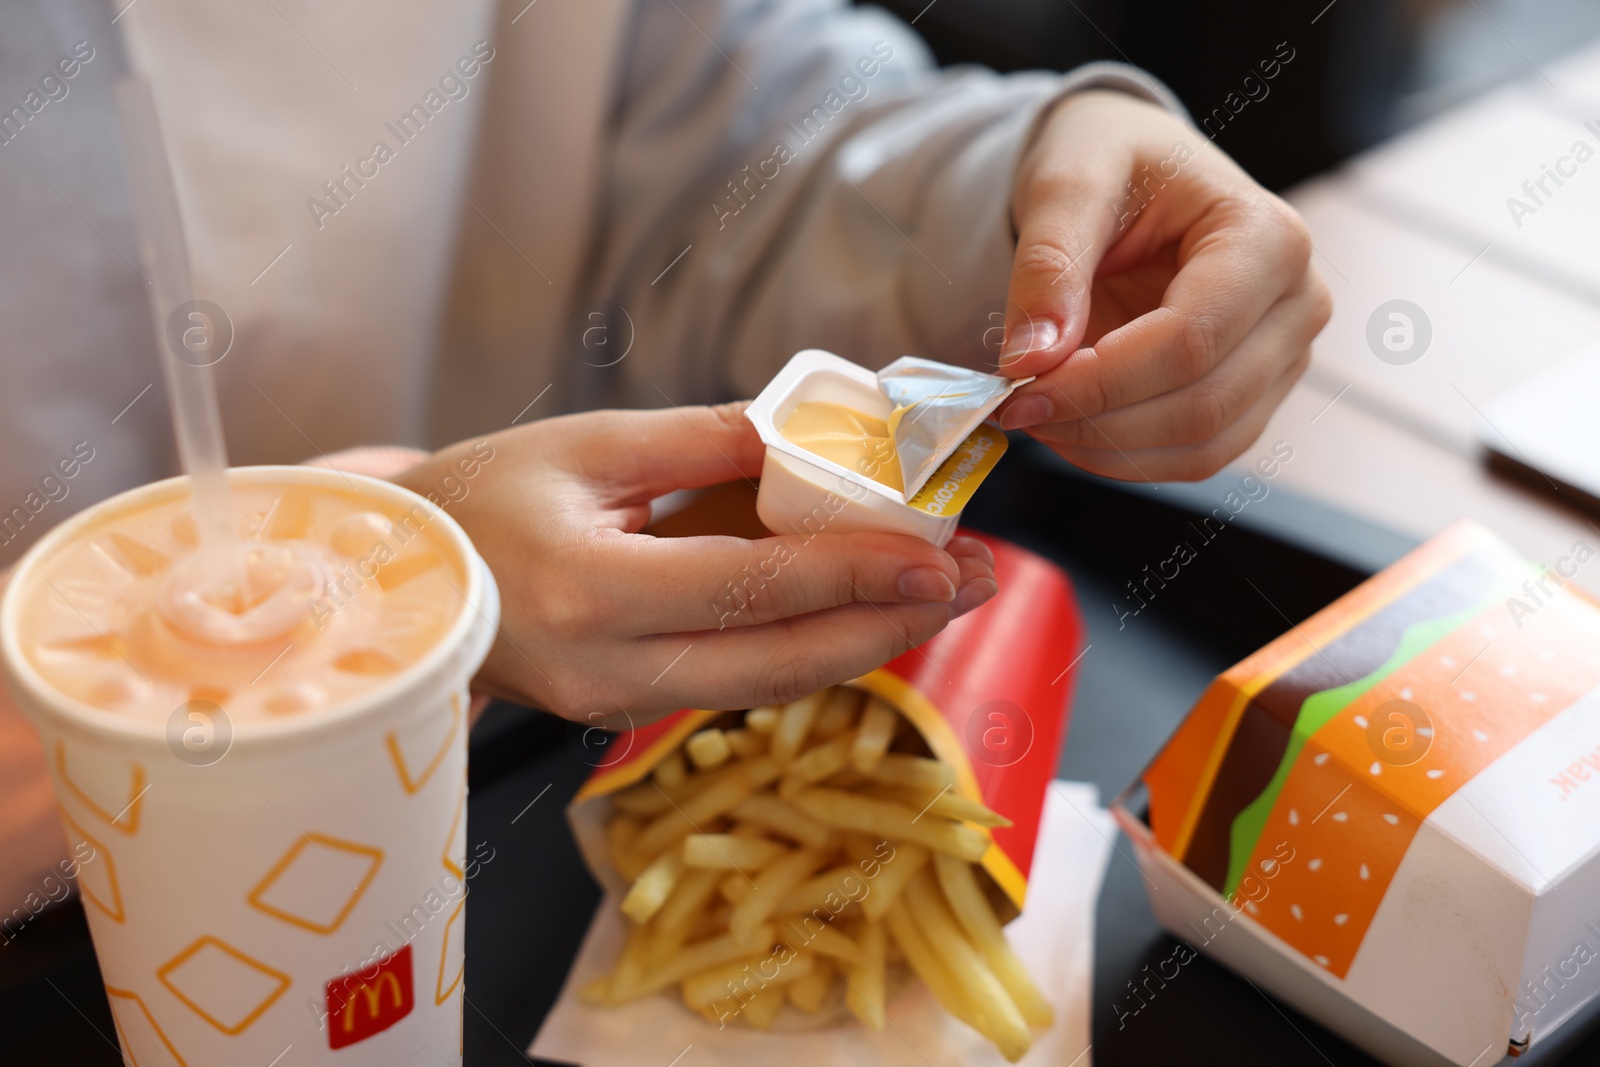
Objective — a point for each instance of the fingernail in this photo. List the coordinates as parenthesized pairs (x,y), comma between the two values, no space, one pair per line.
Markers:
(971,546)
(974,594)
(1032,335)
(1026,411)
(925,583)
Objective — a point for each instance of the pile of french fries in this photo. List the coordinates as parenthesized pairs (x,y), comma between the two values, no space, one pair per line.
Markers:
(805,855)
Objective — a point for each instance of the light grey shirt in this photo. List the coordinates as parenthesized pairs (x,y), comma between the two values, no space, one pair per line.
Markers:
(576,203)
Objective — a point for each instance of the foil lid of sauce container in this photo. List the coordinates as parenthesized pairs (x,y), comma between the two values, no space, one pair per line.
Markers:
(934,407)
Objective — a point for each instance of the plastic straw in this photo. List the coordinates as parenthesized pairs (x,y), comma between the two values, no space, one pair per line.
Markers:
(191,392)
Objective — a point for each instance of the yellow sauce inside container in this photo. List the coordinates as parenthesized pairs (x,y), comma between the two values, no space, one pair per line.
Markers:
(847,437)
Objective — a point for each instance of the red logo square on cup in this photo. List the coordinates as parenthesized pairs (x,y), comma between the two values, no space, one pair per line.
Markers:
(368,1001)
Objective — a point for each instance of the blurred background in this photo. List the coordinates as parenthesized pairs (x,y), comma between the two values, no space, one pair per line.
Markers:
(1364,70)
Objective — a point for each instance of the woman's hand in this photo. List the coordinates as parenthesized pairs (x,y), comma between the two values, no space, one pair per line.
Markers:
(602,623)
(1165,300)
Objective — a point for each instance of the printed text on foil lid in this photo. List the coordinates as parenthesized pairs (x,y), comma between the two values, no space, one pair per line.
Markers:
(952,485)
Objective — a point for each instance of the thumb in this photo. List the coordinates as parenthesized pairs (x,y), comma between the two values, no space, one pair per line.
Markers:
(1067,222)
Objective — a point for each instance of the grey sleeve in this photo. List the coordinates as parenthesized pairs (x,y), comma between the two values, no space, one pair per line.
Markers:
(785,174)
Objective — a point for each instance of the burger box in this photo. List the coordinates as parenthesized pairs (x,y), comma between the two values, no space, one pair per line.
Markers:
(1389,817)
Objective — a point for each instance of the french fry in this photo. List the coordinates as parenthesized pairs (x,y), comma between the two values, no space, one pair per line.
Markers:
(850,778)
(745,742)
(725,852)
(778,814)
(700,808)
(735,887)
(838,712)
(925,963)
(898,769)
(644,799)
(763,1007)
(942,802)
(885,818)
(809,934)
(670,772)
(896,871)
(708,748)
(775,881)
(705,988)
(819,761)
(711,922)
(650,890)
(761,771)
(977,918)
(795,725)
(763,720)
(865,993)
(996,1016)
(878,721)
(619,835)
(699,956)
(675,923)
(743,977)
(621,830)
(651,798)
(809,990)
(844,883)
(629,966)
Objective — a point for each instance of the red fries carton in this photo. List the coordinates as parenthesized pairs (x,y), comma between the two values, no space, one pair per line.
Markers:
(988,695)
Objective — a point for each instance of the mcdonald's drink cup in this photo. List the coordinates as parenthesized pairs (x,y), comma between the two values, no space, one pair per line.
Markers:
(263,782)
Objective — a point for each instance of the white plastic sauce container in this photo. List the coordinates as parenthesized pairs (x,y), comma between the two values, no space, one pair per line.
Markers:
(804,494)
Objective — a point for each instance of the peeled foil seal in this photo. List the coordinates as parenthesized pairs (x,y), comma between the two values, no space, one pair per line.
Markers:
(935,407)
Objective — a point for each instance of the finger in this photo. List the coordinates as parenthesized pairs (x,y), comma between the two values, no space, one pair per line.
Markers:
(978,584)
(1060,242)
(1199,412)
(1234,262)
(675,448)
(686,584)
(963,545)
(1186,463)
(783,661)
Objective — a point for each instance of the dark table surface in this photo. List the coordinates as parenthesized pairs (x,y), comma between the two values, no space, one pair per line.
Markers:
(1280,560)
